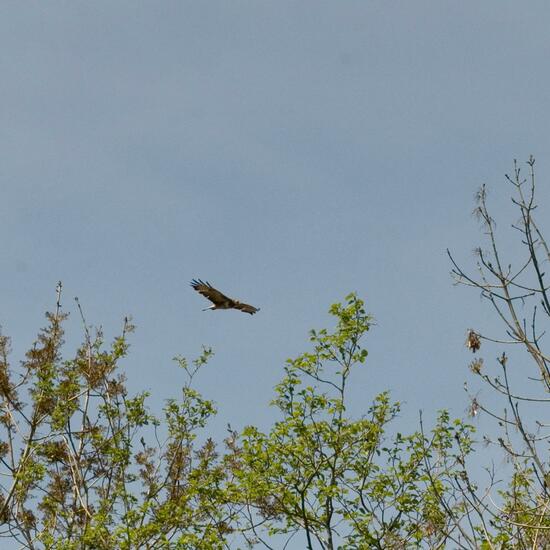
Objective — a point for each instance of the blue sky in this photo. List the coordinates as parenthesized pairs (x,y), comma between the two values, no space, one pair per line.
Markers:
(287,152)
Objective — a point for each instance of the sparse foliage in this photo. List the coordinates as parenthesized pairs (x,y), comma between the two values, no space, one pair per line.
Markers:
(518,515)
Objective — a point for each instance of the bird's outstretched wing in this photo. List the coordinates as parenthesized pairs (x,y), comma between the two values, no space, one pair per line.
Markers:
(247,308)
(208,291)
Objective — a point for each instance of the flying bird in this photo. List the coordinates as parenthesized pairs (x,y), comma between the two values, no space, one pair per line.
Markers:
(219,300)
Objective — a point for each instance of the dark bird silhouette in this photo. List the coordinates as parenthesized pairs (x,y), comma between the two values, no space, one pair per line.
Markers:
(219,300)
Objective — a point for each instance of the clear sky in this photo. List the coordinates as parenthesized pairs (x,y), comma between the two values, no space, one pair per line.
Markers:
(287,152)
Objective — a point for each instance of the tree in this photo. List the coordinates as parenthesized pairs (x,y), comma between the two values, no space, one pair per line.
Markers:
(80,473)
(342,482)
(518,293)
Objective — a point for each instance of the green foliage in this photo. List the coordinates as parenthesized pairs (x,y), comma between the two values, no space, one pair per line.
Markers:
(89,466)
(340,481)
(82,474)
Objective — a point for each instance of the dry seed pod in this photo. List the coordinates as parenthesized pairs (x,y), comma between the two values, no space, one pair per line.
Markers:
(473,341)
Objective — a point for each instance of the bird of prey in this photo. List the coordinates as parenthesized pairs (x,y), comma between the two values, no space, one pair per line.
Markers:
(219,300)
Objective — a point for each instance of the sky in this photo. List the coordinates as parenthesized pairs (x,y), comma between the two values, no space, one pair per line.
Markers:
(287,152)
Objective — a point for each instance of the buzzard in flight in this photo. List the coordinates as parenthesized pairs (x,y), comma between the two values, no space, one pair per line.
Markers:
(219,300)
